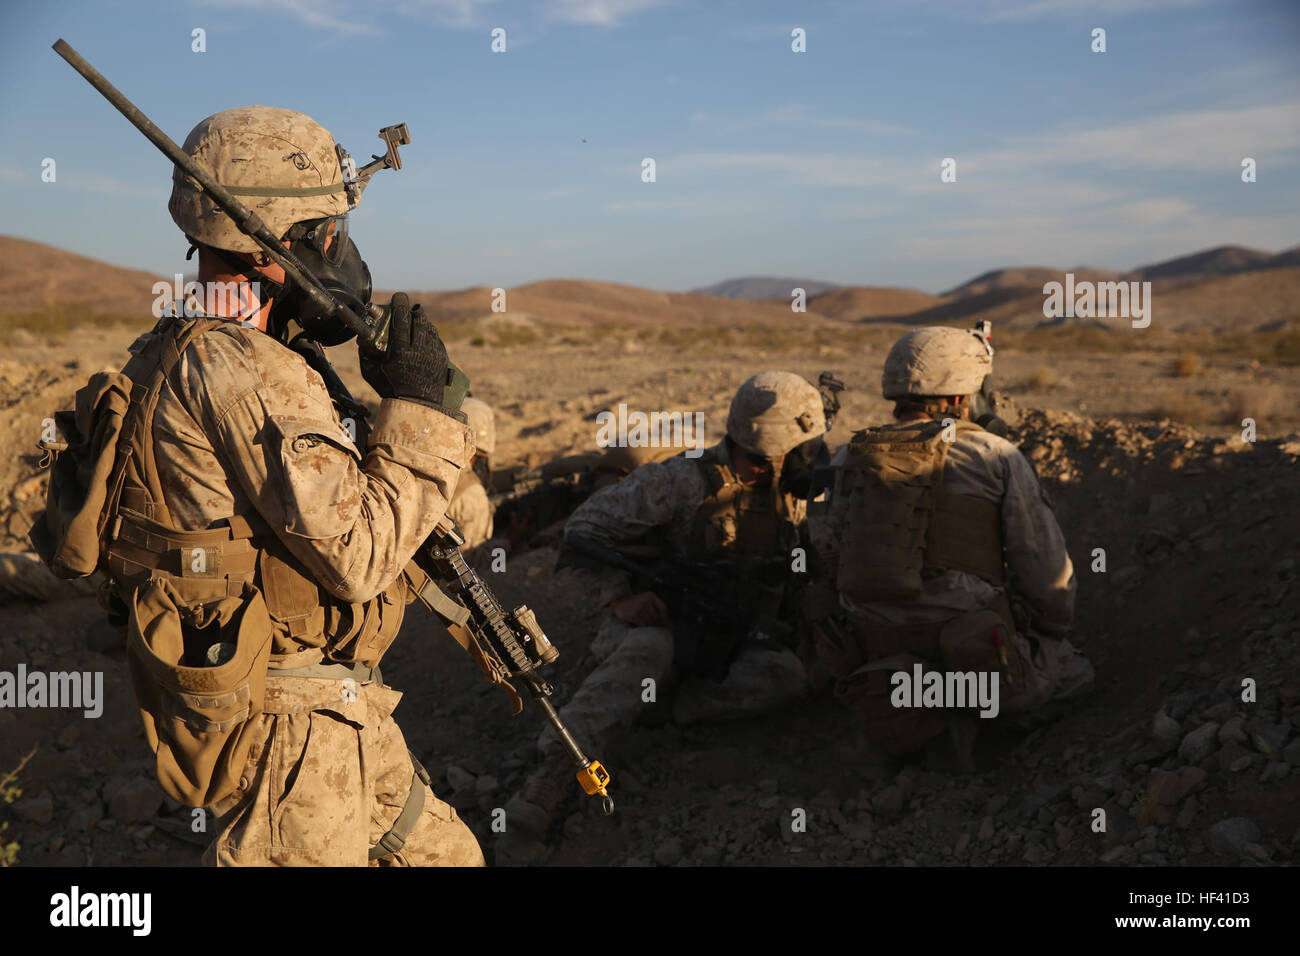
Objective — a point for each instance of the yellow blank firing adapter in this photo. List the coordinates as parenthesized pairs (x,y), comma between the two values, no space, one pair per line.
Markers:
(594,778)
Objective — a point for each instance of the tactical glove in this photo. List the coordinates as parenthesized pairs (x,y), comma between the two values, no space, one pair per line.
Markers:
(415,366)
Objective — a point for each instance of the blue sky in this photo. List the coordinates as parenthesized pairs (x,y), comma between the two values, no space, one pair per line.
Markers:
(825,164)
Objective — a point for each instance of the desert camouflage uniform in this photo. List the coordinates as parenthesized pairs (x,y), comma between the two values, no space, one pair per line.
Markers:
(244,427)
(471,509)
(988,468)
(667,495)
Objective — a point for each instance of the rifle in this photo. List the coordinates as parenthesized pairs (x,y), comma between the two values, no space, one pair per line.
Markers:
(830,388)
(506,645)
(480,625)
(708,632)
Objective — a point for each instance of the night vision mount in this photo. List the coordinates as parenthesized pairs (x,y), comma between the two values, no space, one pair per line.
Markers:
(355,180)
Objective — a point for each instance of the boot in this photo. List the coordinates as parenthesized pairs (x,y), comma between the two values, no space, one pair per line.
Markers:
(530,813)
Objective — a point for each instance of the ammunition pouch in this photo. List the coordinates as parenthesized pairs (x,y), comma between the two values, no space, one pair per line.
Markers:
(199,673)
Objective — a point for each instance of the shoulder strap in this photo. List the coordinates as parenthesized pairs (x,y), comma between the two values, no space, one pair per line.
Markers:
(137,428)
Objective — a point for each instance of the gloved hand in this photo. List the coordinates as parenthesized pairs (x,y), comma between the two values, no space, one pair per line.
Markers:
(415,366)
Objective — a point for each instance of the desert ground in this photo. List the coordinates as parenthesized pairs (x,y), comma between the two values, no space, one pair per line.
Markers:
(1138,439)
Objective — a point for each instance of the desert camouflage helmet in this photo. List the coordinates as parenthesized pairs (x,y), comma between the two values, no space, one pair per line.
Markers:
(281,164)
(483,423)
(774,412)
(936,360)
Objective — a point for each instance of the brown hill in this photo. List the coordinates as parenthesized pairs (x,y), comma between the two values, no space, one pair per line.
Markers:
(853,303)
(763,287)
(1237,302)
(1026,278)
(585,302)
(1221,260)
(35,277)
(1289,257)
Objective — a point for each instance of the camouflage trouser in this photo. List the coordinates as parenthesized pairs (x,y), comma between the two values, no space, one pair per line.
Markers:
(1033,671)
(613,695)
(327,776)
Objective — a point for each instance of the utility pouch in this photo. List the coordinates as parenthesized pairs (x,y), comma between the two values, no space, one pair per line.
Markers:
(984,640)
(68,535)
(199,673)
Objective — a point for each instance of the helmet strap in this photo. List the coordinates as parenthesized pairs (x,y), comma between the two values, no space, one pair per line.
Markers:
(274,289)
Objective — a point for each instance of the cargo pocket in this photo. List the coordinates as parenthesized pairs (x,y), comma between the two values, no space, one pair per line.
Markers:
(324,749)
(319,470)
(199,674)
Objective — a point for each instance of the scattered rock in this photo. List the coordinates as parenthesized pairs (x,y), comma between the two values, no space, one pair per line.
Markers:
(1234,730)
(460,779)
(985,831)
(1229,837)
(38,809)
(1276,770)
(889,801)
(133,800)
(1270,738)
(1165,727)
(668,852)
(1127,578)
(1168,789)
(1199,744)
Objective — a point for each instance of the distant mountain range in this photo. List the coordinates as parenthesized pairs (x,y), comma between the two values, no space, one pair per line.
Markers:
(764,287)
(1228,287)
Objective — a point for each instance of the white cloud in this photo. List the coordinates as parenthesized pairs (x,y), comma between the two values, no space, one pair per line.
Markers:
(323,14)
(995,11)
(1199,141)
(340,16)
(1120,236)
(454,14)
(603,13)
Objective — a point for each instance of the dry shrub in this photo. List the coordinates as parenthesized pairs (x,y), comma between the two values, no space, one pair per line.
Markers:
(1263,403)
(1187,365)
(1180,405)
(1043,377)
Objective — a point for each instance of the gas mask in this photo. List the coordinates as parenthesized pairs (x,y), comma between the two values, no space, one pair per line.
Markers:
(801,463)
(332,257)
(983,411)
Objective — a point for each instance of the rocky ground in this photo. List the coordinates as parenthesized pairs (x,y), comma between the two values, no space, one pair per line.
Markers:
(1198,605)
